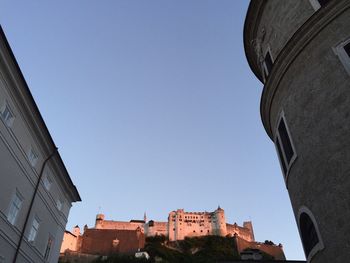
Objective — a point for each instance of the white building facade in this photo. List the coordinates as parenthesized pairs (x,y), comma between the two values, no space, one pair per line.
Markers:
(36,191)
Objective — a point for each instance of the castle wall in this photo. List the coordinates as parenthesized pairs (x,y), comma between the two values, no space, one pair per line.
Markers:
(69,242)
(109,224)
(242,232)
(156,229)
(107,241)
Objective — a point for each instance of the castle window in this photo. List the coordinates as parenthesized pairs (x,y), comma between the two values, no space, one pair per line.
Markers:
(310,235)
(317,4)
(284,146)
(342,50)
(267,64)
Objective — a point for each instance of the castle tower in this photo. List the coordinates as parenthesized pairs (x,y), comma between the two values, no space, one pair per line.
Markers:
(249,225)
(300,51)
(220,222)
(99,221)
(76,231)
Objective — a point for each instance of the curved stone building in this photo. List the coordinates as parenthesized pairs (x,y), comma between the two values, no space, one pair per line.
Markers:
(300,50)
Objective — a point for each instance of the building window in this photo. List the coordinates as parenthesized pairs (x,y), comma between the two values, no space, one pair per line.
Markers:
(59,204)
(7,115)
(343,53)
(317,4)
(47,182)
(310,236)
(284,146)
(347,49)
(267,64)
(32,157)
(33,230)
(14,208)
(48,248)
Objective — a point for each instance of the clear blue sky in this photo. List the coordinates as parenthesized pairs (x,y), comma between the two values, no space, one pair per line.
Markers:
(153,108)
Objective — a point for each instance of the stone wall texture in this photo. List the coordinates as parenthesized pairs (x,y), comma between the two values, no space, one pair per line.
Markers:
(310,85)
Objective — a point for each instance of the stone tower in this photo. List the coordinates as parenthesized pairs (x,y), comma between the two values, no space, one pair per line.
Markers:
(220,221)
(300,51)
(99,221)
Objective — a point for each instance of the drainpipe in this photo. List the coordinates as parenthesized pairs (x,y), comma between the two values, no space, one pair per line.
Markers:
(55,151)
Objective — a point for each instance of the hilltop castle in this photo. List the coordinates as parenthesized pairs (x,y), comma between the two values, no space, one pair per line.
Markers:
(183,224)
(120,237)
(112,236)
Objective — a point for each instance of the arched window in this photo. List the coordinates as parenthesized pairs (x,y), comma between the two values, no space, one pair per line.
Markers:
(308,233)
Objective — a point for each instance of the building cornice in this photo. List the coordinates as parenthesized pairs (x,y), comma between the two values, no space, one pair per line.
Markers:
(300,39)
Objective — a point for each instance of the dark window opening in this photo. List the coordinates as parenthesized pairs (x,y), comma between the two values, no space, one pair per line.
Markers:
(347,49)
(309,236)
(48,248)
(268,63)
(281,156)
(323,2)
(285,141)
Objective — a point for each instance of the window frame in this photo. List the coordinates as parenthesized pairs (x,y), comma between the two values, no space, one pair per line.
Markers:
(12,220)
(33,157)
(320,245)
(266,72)
(48,248)
(283,159)
(10,117)
(33,231)
(344,57)
(47,181)
(315,4)
(59,204)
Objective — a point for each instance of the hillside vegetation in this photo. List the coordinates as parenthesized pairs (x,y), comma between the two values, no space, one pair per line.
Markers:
(197,249)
